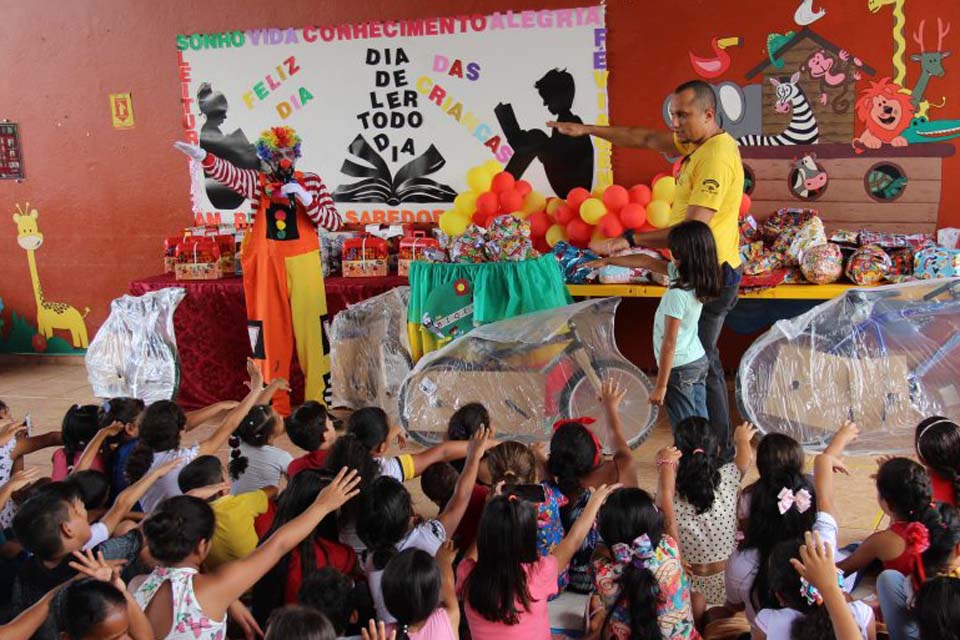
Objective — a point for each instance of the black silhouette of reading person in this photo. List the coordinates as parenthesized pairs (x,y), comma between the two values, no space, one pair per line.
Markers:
(235,148)
(568,162)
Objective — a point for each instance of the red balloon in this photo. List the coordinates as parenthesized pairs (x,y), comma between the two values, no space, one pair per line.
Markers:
(565,213)
(540,244)
(576,197)
(479,219)
(610,225)
(510,201)
(579,232)
(503,181)
(647,228)
(615,197)
(488,203)
(523,187)
(633,216)
(641,194)
(745,205)
(539,223)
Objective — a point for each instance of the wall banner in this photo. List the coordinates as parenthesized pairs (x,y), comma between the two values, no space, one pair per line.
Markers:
(392,114)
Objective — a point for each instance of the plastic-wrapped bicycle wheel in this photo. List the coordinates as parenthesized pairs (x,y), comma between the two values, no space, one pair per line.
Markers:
(884,357)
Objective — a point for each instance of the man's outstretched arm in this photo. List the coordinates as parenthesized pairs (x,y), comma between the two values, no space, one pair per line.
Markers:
(636,137)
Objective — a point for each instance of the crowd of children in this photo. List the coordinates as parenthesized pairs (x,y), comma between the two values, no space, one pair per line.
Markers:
(140,535)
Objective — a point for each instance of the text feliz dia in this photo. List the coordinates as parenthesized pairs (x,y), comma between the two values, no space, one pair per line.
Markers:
(543,19)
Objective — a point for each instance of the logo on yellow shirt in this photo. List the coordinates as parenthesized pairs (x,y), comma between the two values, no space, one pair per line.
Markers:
(710,186)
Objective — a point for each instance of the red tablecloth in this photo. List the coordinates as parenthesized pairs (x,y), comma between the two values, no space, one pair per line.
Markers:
(211,329)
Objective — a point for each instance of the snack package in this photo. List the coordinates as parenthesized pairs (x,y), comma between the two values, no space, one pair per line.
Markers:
(571,261)
(508,240)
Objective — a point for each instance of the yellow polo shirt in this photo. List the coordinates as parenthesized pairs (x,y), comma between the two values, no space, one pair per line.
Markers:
(711,176)
(235,536)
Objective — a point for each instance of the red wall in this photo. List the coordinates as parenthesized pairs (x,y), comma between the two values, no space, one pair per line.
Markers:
(107,198)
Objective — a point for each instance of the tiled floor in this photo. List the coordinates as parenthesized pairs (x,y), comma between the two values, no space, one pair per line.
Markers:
(47,387)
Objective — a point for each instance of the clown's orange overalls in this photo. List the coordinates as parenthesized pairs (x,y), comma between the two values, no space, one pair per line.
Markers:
(283,279)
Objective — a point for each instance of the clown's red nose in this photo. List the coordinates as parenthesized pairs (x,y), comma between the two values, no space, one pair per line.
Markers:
(285,164)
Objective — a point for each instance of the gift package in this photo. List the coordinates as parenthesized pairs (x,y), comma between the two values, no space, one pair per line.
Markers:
(506,239)
(412,248)
(937,262)
(331,250)
(868,265)
(197,258)
(170,253)
(822,264)
(365,257)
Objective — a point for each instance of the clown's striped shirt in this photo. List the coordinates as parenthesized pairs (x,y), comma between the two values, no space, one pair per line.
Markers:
(246,182)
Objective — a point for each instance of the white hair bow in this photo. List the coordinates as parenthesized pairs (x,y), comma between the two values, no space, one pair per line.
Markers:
(787,498)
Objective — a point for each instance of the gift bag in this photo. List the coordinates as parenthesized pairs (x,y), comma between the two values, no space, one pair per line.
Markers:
(365,257)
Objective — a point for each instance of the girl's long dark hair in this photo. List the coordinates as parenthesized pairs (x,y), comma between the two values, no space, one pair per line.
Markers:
(937,441)
(506,541)
(698,474)
(255,430)
(785,582)
(383,518)
(161,425)
(572,454)
(766,526)
(625,516)
(79,426)
(411,588)
(300,493)
(693,246)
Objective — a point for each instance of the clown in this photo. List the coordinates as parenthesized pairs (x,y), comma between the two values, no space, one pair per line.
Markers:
(282,277)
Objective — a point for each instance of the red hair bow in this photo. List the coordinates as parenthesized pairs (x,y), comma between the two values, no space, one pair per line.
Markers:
(584,421)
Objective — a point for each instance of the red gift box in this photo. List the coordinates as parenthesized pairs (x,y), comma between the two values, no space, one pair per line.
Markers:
(365,257)
(198,258)
(411,249)
(170,253)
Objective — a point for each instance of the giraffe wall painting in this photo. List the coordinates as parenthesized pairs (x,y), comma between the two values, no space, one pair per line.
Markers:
(51,316)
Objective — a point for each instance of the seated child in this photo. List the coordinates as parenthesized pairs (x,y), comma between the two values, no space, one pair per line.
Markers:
(438,483)
(420,592)
(120,418)
(78,428)
(254,461)
(336,595)
(937,441)
(310,428)
(294,622)
(938,609)
(464,422)
(14,444)
(235,536)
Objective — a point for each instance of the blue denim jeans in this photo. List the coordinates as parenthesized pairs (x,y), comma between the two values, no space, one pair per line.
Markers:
(711,323)
(893,593)
(687,392)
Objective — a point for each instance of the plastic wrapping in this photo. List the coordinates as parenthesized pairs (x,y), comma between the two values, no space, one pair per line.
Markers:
(885,357)
(370,352)
(529,371)
(134,353)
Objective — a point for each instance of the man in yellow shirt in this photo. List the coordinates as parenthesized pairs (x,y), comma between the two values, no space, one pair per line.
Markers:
(709,189)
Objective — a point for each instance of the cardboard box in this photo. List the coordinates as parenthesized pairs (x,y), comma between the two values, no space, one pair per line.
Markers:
(365,257)
(411,249)
(198,258)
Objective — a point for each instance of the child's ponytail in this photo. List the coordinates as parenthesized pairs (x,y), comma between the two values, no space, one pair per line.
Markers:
(698,474)
(639,591)
(255,430)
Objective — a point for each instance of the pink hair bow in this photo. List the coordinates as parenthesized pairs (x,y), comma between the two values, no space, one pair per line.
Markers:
(787,498)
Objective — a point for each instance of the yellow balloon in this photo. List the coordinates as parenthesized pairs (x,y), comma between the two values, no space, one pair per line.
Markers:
(556,233)
(453,223)
(533,202)
(493,165)
(553,205)
(522,215)
(592,210)
(658,213)
(479,179)
(598,191)
(664,189)
(465,203)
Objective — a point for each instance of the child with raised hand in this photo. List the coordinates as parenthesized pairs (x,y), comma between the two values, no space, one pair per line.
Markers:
(576,464)
(78,428)
(698,495)
(310,428)
(162,426)
(118,419)
(502,580)
(937,441)
(464,422)
(420,593)
(299,623)
(783,505)
(385,520)
(640,583)
(254,461)
(182,603)
(235,536)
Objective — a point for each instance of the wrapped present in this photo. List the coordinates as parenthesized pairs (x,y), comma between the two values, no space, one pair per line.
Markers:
(785,220)
(365,257)
(412,248)
(571,261)
(843,236)
(228,252)
(331,250)
(470,246)
(868,265)
(197,258)
(766,262)
(435,254)
(749,230)
(752,251)
(759,282)
(901,262)
(612,274)
(794,276)
(393,234)
(949,238)
(822,264)
(810,234)
(937,263)
(170,253)
(508,240)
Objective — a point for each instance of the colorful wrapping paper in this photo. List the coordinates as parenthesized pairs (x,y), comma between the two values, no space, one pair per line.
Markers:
(571,260)
(937,262)
(508,240)
(868,265)
(822,264)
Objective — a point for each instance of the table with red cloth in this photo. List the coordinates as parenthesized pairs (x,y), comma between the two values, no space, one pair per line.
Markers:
(211,330)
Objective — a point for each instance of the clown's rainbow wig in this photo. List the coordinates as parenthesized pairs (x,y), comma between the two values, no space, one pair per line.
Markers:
(275,138)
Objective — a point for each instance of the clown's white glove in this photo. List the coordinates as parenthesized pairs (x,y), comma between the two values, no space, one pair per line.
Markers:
(191,150)
(304,196)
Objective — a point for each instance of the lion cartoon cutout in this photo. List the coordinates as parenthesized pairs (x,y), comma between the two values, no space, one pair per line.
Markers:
(885,112)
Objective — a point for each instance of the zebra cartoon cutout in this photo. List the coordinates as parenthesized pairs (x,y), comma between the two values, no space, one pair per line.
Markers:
(803,127)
